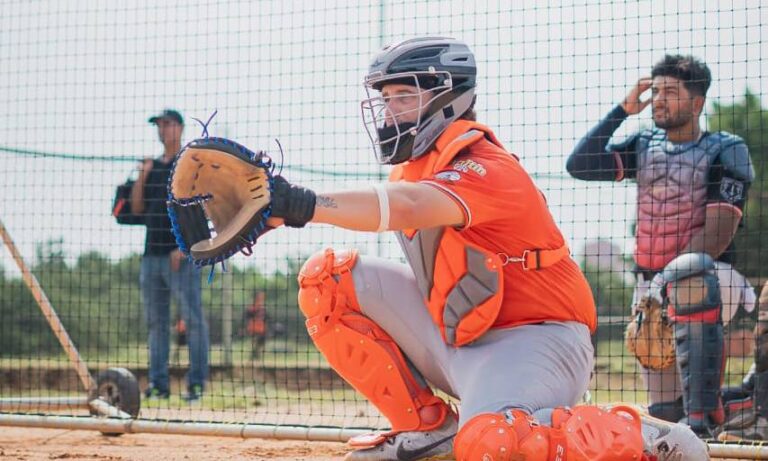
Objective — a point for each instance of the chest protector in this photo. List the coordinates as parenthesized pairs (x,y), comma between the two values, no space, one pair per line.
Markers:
(461,282)
(672,195)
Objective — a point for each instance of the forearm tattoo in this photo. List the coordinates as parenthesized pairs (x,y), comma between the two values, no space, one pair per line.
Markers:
(326,202)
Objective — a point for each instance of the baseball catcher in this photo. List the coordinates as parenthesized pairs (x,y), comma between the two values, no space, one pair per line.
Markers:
(490,307)
(691,189)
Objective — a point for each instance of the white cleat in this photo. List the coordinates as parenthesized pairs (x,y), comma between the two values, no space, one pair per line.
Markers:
(411,446)
(672,441)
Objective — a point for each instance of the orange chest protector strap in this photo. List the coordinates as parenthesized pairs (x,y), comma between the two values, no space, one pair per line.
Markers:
(536,259)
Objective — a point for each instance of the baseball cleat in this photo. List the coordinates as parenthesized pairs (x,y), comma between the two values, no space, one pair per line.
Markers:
(411,446)
(672,441)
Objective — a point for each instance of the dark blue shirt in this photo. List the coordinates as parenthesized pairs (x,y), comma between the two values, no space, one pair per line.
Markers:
(159,239)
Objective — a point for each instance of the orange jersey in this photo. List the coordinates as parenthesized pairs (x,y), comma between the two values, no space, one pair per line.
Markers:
(506,213)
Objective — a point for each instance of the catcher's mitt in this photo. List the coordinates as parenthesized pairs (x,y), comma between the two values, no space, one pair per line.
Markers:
(650,336)
(218,180)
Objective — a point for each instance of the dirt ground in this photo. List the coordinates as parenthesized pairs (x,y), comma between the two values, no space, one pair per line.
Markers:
(25,444)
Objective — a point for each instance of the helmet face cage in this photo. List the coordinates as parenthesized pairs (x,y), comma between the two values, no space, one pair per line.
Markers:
(376,110)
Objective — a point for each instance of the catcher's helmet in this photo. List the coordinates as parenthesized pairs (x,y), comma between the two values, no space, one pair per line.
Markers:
(442,68)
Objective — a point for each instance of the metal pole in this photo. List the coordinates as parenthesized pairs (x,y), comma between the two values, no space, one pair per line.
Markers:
(136,426)
(104,409)
(49,313)
(722,450)
(382,176)
(226,318)
(11,404)
(18,404)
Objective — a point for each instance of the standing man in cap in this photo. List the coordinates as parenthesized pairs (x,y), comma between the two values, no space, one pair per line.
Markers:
(165,271)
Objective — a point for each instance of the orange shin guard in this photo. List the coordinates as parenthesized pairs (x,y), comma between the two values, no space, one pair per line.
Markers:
(584,433)
(359,349)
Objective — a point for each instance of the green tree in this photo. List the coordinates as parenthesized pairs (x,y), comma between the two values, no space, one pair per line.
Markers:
(749,120)
(98,301)
(613,296)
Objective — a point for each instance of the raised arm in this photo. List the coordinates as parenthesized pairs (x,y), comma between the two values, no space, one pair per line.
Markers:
(591,160)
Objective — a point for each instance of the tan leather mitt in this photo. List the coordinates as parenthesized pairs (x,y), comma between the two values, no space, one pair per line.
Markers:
(219,181)
(650,336)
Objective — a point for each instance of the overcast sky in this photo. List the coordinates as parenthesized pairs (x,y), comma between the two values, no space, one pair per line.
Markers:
(82,76)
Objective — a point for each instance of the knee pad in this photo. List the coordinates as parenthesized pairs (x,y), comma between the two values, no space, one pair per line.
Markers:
(692,288)
(325,283)
(584,433)
(359,349)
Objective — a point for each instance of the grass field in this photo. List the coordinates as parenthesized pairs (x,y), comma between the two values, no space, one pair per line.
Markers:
(278,374)
(278,352)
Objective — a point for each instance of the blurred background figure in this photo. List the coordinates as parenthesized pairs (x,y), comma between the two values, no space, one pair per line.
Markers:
(256,324)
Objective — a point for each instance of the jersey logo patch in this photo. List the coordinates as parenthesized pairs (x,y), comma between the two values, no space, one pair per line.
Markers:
(448,176)
(732,190)
(467,165)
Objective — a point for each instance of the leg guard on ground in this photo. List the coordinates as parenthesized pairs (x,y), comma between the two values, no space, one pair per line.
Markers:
(760,375)
(668,411)
(748,416)
(359,349)
(760,393)
(584,433)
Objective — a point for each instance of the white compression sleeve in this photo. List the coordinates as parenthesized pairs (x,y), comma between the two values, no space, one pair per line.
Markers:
(381,193)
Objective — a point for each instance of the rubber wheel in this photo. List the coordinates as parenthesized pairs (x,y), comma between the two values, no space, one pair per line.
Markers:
(119,388)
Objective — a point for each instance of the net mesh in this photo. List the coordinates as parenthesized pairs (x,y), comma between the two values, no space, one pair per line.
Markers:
(80,78)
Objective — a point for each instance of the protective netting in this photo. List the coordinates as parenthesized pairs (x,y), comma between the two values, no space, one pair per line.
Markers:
(80,79)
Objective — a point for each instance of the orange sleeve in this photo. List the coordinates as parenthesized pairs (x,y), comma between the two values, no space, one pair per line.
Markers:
(486,188)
